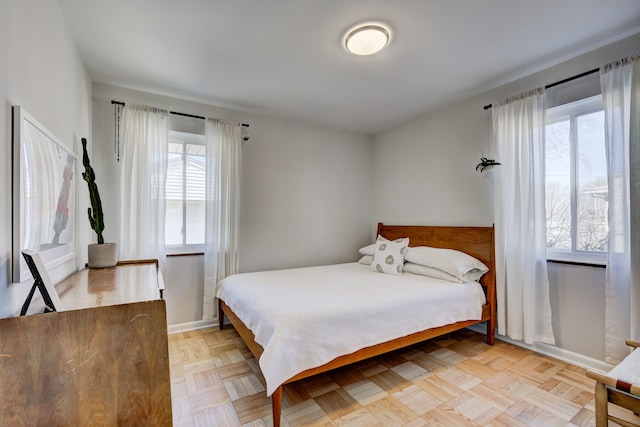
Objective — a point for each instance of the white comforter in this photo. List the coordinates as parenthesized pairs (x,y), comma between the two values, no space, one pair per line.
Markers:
(306,317)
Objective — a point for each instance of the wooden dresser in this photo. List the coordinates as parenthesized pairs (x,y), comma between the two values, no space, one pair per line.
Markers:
(103,361)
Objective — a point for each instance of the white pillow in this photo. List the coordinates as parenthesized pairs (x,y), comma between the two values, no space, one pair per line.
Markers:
(458,264)
(389,256)
(368,250)
(473,275)
(423,270)
(366,259)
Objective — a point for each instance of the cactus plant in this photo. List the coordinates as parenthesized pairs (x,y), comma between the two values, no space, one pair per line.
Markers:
(96,218)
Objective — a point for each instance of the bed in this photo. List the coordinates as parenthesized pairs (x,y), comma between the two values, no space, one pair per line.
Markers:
(286,326)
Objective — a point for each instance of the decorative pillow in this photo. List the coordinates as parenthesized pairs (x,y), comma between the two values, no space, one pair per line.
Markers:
(368,250)
(423,270)
(366,259)
(463,266)
(389,255)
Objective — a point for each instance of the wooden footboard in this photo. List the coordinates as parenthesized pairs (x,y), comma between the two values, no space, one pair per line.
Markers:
(476,241)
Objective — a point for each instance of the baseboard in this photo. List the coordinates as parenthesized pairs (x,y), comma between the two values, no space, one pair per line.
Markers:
(191,326)
(553,351)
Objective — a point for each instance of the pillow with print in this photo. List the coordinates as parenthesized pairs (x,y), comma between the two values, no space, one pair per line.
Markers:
(389,255)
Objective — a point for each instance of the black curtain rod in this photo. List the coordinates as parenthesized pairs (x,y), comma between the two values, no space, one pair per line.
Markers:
(176,113)
(568,79)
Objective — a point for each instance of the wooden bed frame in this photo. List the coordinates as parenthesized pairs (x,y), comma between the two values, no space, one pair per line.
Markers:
(475,241)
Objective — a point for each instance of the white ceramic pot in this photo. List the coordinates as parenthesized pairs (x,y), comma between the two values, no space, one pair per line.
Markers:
(103,255)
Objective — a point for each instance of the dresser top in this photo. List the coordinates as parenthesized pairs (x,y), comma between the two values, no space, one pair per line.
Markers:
(125,283)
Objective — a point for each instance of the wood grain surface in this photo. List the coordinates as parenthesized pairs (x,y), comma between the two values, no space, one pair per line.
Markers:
(127,282)
(104,366)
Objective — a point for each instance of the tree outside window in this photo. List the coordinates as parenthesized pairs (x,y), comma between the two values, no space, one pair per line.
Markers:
(576,180)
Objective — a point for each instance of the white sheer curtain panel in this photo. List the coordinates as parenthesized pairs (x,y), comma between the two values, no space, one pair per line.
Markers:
(620,84)
(144,137)
(524,310)
(223,150)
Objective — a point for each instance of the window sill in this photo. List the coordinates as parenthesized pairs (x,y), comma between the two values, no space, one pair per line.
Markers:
(580,263)
(179,254)
(186,250)
(598,259)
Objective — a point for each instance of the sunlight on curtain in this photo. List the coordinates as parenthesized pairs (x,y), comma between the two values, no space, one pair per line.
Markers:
(620,83)
(144,135)
(524,310)
(223,151)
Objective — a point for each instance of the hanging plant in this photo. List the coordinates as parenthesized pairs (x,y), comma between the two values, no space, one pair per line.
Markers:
(486,164)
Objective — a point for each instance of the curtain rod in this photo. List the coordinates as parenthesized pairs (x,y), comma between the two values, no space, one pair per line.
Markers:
(178,113)
(568,79)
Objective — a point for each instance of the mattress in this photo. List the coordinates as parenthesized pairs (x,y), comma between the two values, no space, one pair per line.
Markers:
(305,317)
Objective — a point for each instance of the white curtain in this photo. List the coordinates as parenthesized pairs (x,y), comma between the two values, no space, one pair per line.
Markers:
(620,84)
(223,150)
(144,136)
(524,310)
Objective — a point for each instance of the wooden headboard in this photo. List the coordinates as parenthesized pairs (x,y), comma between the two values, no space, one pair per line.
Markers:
(475,241)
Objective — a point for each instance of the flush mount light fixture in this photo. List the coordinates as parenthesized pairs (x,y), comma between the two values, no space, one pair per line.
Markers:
(366,39)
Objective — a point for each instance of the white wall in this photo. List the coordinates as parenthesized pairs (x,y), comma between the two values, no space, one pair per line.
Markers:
(306,193)
(424,170)
(41,71)
(424,174)
(577,303)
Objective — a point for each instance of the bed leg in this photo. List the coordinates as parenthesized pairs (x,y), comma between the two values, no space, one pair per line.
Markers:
(491,331)
(220,315)
(276,406)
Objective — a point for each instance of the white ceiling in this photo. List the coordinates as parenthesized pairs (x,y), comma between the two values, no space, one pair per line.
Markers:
(285,57)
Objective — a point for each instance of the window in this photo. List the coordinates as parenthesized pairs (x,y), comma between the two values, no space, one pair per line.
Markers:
(576,182)
(185,216)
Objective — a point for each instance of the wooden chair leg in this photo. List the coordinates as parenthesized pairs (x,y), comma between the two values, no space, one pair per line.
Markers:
(602,403)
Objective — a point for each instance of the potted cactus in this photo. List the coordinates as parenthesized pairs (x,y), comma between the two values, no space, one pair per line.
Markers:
(101,254)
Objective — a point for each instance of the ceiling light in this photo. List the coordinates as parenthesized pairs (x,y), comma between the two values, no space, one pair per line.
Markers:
(366,39)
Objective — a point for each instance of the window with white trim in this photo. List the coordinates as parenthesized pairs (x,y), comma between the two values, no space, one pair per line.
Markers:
(576,182)
(185,193)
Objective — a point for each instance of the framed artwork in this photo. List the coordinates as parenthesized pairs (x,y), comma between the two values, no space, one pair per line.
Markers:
(44,196)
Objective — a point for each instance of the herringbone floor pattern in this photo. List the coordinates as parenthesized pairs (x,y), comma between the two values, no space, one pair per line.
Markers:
(456,381)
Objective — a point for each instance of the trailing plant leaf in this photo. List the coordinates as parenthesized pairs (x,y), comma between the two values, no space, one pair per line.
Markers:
(486,164)
(96,218)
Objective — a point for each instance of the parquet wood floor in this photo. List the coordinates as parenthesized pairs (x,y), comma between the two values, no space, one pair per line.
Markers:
(455,381)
